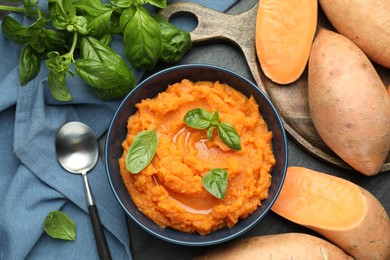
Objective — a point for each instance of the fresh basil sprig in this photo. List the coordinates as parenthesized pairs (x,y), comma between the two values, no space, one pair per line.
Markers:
(146,41)
(200,118)
(141,151)
(59,225)
(215,182)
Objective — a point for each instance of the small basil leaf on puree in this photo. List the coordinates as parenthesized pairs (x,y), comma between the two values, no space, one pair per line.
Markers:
(215,182)
(229,136)
(59,225)
(141,151)
(198,118)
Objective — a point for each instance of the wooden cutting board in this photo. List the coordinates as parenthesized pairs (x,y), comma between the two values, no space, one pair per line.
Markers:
(290,100)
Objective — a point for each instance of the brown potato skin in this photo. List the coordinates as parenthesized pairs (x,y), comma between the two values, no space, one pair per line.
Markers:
(280,246)
(366,23)
(348,102)
(368,240)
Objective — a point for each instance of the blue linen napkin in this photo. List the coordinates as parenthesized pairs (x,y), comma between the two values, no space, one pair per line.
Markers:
(32,183)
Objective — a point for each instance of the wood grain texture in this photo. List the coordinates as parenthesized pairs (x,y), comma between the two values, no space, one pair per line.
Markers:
(290,100)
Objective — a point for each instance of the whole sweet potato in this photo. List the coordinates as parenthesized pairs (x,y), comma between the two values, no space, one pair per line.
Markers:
(366,23)
(281,246)
(348,102)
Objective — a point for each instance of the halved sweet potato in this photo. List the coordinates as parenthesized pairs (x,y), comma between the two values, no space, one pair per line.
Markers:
(284,35)
(343,212)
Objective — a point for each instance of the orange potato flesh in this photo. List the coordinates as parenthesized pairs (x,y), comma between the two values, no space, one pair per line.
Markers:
(315,196)
(284,34)
(346,214)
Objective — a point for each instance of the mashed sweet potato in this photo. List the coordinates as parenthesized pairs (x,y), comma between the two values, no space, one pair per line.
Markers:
(169,190)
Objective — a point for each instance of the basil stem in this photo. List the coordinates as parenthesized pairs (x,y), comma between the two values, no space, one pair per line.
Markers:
(215,182)
(59,225)
(141,151)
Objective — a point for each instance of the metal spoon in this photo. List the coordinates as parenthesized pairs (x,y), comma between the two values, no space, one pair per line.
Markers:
(77,151)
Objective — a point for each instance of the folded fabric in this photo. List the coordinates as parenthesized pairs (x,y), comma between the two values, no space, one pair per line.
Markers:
(32,181)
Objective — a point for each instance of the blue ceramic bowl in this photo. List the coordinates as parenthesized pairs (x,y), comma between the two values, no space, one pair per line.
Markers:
(149,88)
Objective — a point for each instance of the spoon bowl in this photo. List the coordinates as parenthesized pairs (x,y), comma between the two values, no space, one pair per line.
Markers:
(76,148)
(77,151)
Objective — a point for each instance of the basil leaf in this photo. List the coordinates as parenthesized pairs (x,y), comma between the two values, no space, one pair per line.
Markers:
(126,15)
(142,40)
(94,8)
(14,31)
(215,118)
(141,151)
(53,40)
(122,3)
(62,13)
(58,86)
(94,49)
(20,34)
(215,182)
(229,136)
(157,3)
(104,70)
(105,81)
(59,225)
(36,34)
(29,64)
(105,39)
(175,42)
(100,25)
(198,118)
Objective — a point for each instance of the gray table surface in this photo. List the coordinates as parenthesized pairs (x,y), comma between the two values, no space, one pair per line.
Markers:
(146,246)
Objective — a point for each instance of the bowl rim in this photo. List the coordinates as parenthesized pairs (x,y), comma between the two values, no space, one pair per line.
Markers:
(232,235)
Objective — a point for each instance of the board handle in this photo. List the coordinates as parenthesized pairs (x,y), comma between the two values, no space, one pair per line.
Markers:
(214,26)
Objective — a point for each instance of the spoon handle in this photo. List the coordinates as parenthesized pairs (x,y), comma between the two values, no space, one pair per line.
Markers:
(101,243)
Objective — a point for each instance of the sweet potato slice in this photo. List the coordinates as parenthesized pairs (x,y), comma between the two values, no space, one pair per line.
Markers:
(343,212)
(348,102)
(284,35)
(280,246)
